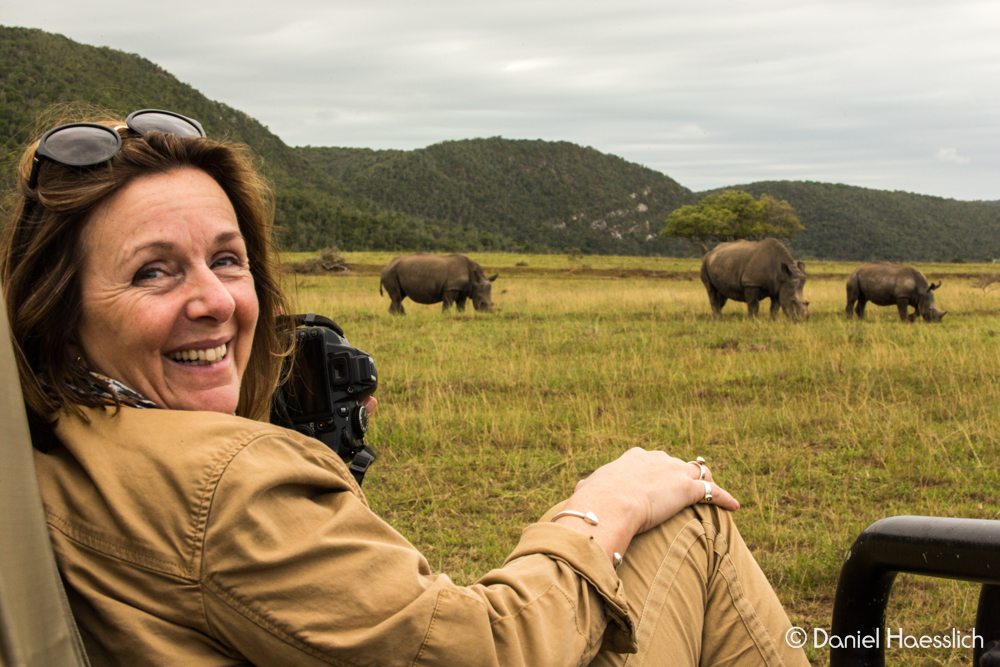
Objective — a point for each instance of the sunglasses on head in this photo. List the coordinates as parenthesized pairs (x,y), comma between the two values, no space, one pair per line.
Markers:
(90,144)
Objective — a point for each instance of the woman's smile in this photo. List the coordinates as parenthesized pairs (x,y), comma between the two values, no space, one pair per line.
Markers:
(200,356)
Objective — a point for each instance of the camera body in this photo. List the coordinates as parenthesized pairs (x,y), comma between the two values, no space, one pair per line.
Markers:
(322,396)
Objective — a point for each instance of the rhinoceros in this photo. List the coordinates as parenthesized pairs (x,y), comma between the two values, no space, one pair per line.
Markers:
(436,279)
(886,284)
(749,271)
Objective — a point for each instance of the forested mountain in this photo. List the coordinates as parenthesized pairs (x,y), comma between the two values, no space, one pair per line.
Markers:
(474,194)
(39,70)
(852,223)
(543,193)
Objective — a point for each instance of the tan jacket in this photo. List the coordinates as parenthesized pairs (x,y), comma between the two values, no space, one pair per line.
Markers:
(196,538)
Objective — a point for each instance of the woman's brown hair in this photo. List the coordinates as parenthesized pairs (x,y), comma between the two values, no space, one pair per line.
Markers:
(40,260)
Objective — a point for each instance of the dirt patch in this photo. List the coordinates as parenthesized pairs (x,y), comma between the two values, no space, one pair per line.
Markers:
(632,273)
(376,270)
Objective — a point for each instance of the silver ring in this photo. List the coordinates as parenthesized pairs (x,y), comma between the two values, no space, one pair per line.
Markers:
(708,492)
(700,462)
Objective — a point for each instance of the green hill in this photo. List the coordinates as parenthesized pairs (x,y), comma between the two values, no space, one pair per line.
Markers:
(475,194)
(545,194)
(40,70)
(851,223)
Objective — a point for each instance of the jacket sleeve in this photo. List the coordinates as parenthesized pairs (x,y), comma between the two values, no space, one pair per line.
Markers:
(297,570)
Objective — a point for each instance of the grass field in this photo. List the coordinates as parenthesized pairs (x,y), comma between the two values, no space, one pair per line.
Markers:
(819,428)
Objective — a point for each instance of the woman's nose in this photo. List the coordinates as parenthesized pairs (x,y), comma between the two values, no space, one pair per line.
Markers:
(209,297)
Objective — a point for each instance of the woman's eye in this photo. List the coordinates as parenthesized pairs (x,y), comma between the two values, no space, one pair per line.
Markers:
(226,260)
(147,273)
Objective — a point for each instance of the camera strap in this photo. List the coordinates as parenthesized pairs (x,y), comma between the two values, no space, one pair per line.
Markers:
(314,320)
(361,462)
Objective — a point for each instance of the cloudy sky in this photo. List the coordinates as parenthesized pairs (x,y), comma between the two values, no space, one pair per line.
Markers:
(881,93)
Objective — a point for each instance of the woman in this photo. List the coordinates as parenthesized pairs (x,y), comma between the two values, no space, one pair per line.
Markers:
(141,291)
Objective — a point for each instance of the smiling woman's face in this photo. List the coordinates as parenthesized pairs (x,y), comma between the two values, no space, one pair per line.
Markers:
(168,301)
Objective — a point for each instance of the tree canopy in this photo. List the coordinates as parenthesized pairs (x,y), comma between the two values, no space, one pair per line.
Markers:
(731,215)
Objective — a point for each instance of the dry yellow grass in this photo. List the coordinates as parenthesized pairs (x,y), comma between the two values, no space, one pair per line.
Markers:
(819,429)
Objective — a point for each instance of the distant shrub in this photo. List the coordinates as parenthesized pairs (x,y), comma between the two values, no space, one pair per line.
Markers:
(986,283)
(330,260)
(332,255)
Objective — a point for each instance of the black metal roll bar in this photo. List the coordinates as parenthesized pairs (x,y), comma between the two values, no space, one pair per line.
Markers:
(965,549)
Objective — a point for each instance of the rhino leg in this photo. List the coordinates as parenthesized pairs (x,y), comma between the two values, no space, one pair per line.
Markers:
(716,300)
(860,308)
(396,307)
(717,305)
(460,304)
(903,304)
(450,297)
(775,307)
(752,295)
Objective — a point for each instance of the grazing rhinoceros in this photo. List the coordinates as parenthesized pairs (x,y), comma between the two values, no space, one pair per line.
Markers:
(433,279)
(886,284)
(749,271)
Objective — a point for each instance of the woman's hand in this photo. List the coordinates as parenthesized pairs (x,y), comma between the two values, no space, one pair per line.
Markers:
(637,492)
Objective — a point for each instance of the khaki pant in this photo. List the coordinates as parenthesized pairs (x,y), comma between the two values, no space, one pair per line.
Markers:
(699,598)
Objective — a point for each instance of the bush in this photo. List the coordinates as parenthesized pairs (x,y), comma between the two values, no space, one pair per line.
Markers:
(330,260)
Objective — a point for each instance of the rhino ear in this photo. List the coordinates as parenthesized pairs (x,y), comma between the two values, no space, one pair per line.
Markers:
(802,266)
(934,287)
(786,269)
(495,276)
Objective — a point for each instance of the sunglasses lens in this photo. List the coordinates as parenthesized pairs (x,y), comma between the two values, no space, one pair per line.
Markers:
(82,145)
(157,121)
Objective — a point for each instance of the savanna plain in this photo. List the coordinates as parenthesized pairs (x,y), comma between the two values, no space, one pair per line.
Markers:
(819,428)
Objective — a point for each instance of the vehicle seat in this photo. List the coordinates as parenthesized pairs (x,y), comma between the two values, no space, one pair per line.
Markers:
(36,626)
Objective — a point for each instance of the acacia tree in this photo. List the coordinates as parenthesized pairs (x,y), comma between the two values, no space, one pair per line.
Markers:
(732,215)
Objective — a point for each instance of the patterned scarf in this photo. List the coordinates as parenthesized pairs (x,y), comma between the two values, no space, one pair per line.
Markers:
(126,395)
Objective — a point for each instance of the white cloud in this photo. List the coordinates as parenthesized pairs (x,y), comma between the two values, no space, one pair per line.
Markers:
(951,155)
(713,93)
(526,65)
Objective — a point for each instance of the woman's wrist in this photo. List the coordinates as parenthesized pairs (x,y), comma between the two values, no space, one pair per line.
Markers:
(615,525)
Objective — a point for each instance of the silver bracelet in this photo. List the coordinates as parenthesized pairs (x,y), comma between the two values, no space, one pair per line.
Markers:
(592,519)
(589,517)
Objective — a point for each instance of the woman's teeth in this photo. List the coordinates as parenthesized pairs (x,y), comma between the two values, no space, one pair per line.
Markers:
(199,357)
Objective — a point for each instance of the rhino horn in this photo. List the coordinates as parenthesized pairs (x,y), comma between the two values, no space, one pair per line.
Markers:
(495,276)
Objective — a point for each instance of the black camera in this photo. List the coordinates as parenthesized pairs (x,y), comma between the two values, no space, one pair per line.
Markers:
(322,396)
